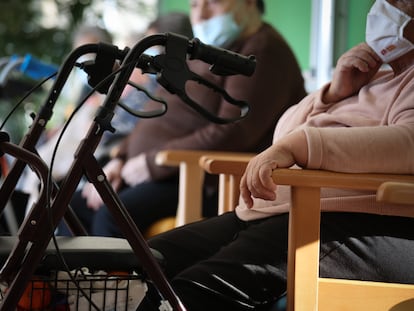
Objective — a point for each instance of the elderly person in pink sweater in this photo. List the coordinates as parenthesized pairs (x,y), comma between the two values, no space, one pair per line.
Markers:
(362,121)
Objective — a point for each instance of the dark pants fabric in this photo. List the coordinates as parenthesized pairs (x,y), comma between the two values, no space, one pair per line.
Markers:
(226,264)
(146,203)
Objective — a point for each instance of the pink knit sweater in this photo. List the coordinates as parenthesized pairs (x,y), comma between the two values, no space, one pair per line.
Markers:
(372,131)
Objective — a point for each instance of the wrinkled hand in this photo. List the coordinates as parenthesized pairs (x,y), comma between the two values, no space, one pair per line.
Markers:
(135,171)
(257,181)
(112,171)
(354,69)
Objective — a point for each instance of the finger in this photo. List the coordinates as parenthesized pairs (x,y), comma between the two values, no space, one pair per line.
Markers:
(261,185)
(364,51)
(266,180)
(363,60)
(86,190)
(245,192)
(258,191)
(371,53)
(251,180)
(351,62)
(116,184)
(124,172)
(266,175)
(366,63)
(125,176)
(95,201)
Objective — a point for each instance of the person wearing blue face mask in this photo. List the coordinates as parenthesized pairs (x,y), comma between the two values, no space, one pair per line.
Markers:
(360,122)
(220,23)
(276,84)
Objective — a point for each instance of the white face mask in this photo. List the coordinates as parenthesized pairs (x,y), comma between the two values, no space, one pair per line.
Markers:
(219,30)
(384,32)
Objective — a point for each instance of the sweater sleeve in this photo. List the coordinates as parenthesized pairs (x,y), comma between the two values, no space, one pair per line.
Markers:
(371,132)
(381,149)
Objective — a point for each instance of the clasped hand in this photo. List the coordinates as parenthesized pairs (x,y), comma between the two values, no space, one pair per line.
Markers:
(132,172)
(353,70)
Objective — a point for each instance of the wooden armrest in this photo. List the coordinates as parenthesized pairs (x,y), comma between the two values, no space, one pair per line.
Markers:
(176,157)
(396,192)
(230,170)
(234,165)
(191,179)
(320,179)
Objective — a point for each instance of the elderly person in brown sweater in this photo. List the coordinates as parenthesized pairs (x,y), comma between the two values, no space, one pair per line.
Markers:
(150,192)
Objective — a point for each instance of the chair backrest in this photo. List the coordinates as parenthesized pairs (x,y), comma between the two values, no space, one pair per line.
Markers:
(192,178)
(230,169)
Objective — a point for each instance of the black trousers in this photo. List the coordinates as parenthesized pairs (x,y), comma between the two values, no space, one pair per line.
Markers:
(226,264)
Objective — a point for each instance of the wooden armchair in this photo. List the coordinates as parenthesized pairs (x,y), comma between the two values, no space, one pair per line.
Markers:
(306,290)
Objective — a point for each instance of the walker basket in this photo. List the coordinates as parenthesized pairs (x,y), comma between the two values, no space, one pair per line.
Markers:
(119,291)
(103,274)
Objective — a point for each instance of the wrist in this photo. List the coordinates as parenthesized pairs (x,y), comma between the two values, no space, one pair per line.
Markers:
(296,145)
(328,96)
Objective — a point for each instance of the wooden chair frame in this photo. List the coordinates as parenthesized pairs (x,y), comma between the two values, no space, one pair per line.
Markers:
(192,179)
(306,290)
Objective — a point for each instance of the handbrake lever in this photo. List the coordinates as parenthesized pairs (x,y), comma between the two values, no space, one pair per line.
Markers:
(173,72)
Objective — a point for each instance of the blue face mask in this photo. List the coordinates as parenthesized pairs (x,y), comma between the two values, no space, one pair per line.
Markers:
(219,31)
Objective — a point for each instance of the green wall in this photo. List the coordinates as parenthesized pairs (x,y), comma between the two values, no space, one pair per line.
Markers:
(173,5)
(358,10)
(293,19)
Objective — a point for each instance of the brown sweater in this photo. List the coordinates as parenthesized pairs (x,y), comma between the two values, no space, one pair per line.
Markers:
(276,85)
